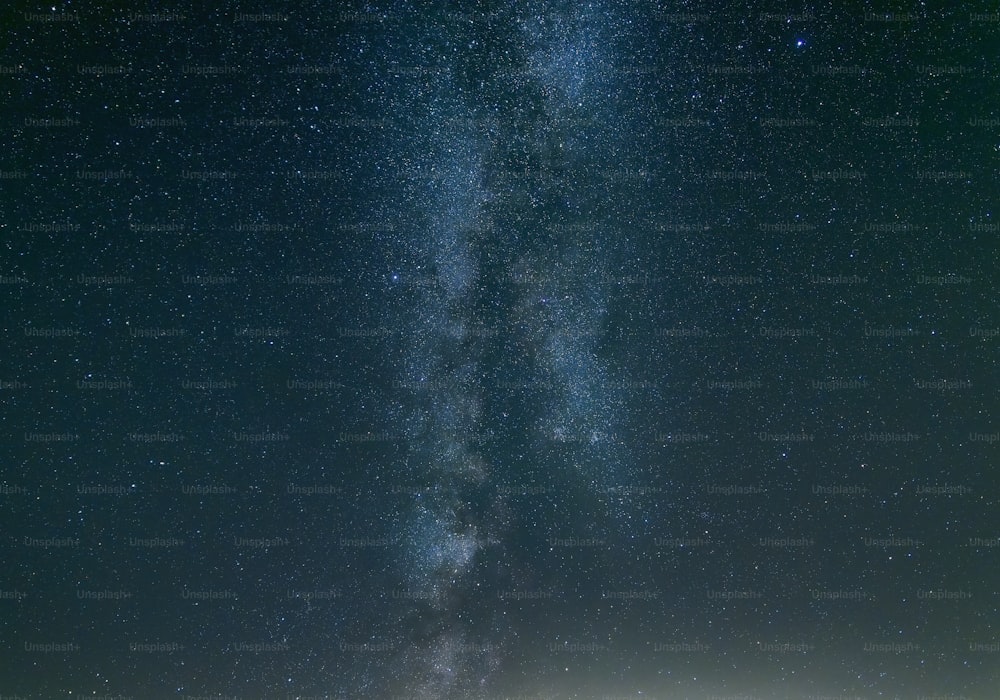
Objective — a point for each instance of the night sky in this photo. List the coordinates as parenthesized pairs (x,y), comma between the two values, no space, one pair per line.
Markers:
(466,351)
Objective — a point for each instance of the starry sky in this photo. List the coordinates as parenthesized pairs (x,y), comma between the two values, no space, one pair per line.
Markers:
(556,350)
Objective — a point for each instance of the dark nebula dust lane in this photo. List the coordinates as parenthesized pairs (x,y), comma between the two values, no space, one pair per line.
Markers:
(590,351)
